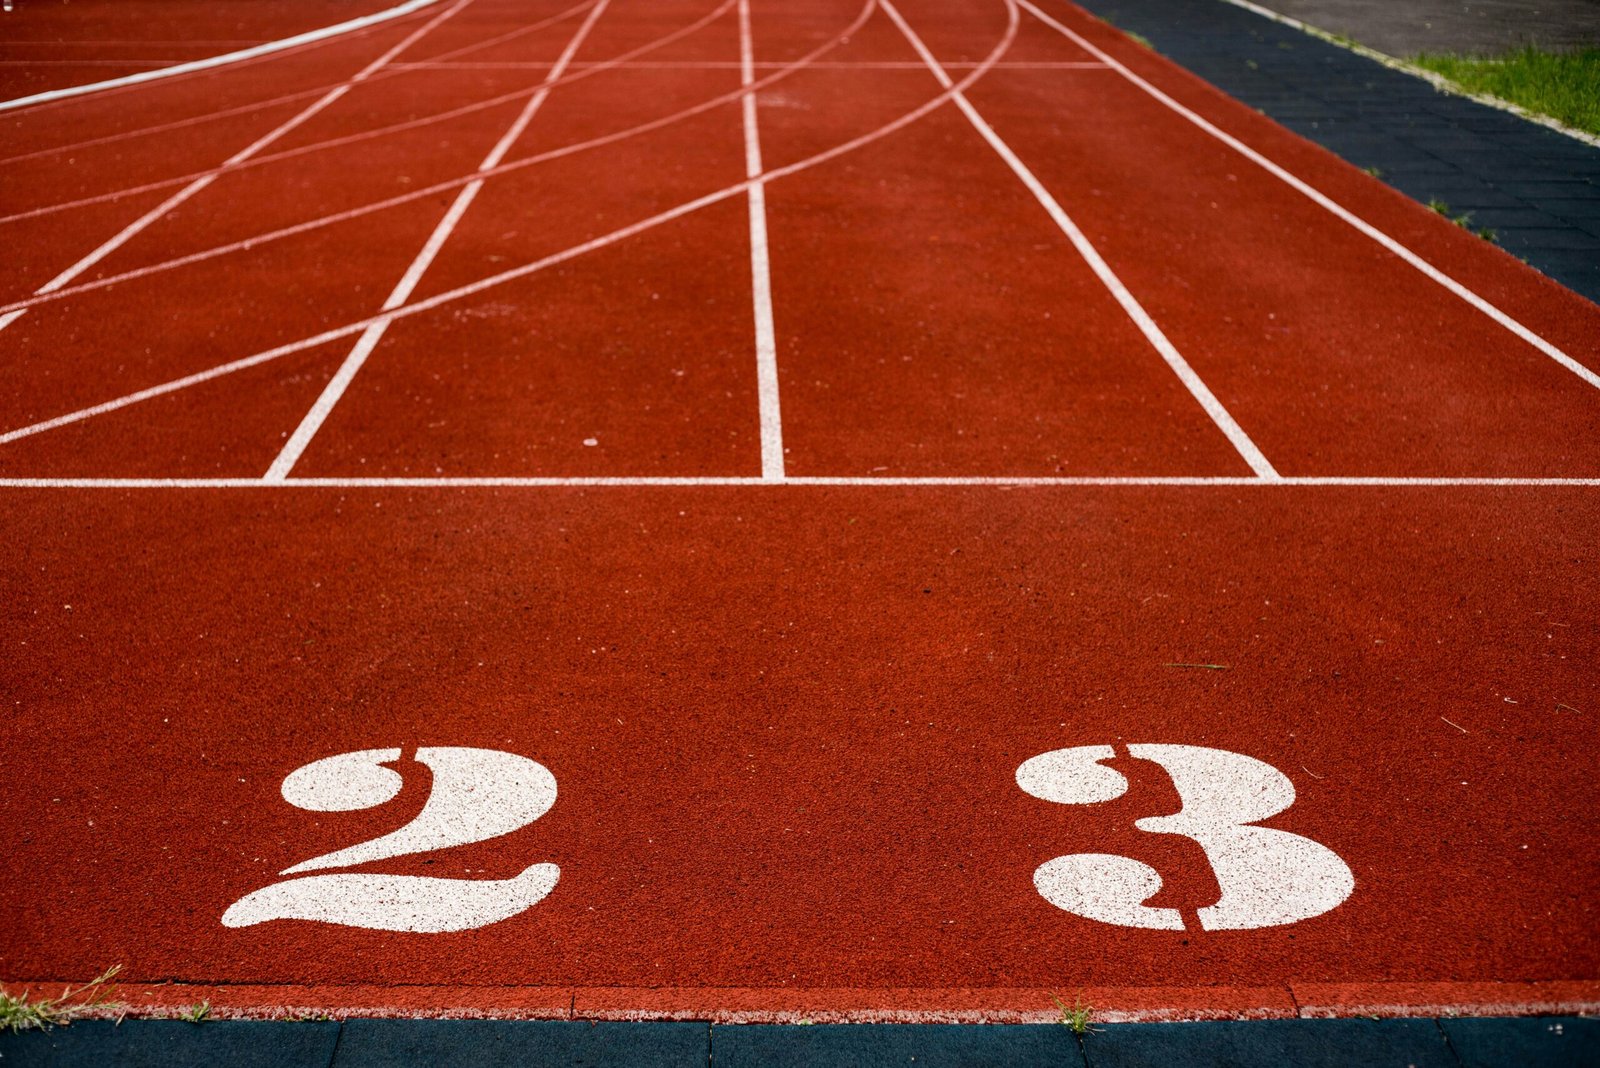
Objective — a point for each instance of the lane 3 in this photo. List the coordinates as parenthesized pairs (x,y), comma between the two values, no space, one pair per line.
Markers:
(932,319)
(1335,356)
(785,725)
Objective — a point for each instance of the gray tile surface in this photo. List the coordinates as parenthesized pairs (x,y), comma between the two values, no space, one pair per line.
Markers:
(1488,27)
(1432,146)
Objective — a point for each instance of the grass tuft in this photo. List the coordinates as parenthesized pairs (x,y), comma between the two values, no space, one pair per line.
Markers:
(198,1013)
(1463,220)
(20,1012)
(1078,1019)
(1562,85)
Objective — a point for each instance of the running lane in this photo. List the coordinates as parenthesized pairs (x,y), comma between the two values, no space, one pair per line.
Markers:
(938,322)
(785,725)
(1334,355)
(568,570)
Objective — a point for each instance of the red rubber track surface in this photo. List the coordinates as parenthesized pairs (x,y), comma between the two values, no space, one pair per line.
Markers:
(784,692)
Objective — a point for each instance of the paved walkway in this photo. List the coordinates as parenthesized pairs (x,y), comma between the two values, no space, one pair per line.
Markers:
(1537,189)
(1424,1043)
(1487,27)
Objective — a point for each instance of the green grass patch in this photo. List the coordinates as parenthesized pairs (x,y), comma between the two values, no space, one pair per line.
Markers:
(1562,85)
(24,1012)
(1078,1019)
(1463,220)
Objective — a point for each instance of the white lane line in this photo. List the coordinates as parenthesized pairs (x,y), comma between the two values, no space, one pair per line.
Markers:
(310,37)
(1135,311)
(335,389)
(143,222)
(1322,200)
(999,481)
(693,64)
(571,148)
(288,98)
(760,273)
(439,300)
(363,135)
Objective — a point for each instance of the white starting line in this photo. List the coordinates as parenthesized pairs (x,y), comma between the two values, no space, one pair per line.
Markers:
(600,481)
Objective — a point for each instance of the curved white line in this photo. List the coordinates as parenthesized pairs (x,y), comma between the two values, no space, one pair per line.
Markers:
(167,206)
(604,240)
(249,243)
(376,131)
(309,37)
(288,98)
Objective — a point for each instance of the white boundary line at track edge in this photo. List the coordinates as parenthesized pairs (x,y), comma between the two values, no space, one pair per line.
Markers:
(1130,304)
(331,394)
(1438,81)
(760,270)
(227,58)
(1003,482)
(162,209)
(1326,202)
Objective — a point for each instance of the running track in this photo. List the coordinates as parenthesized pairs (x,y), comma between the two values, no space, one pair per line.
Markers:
(781,422)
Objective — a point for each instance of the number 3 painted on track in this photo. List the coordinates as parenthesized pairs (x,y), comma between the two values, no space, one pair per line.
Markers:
(1268,877)
(477,794)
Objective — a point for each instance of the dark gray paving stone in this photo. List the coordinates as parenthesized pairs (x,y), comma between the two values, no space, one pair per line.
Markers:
(520,1044)
(1579,272)
(1459,193)
(1491,26)
(1525,242)
(1548,1042)
(1584,208)
(1537,190)
(870,1045)
(1263,1043)
(1427,144)
(169,1043)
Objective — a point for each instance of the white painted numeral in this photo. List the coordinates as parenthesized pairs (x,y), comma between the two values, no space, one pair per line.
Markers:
(1267,877)
(477,794)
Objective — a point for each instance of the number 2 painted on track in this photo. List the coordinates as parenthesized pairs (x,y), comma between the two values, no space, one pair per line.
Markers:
(1267,877)
(477,794)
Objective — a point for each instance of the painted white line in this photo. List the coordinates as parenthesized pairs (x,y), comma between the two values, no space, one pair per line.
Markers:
(335,389)
(211,63)
(143,222)
(1135,311)
(440,300)
(288,98)
(366,134)
(668,64)
(624,482)
(1438,81)
(760,272)
(573,148)
(1323,201)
